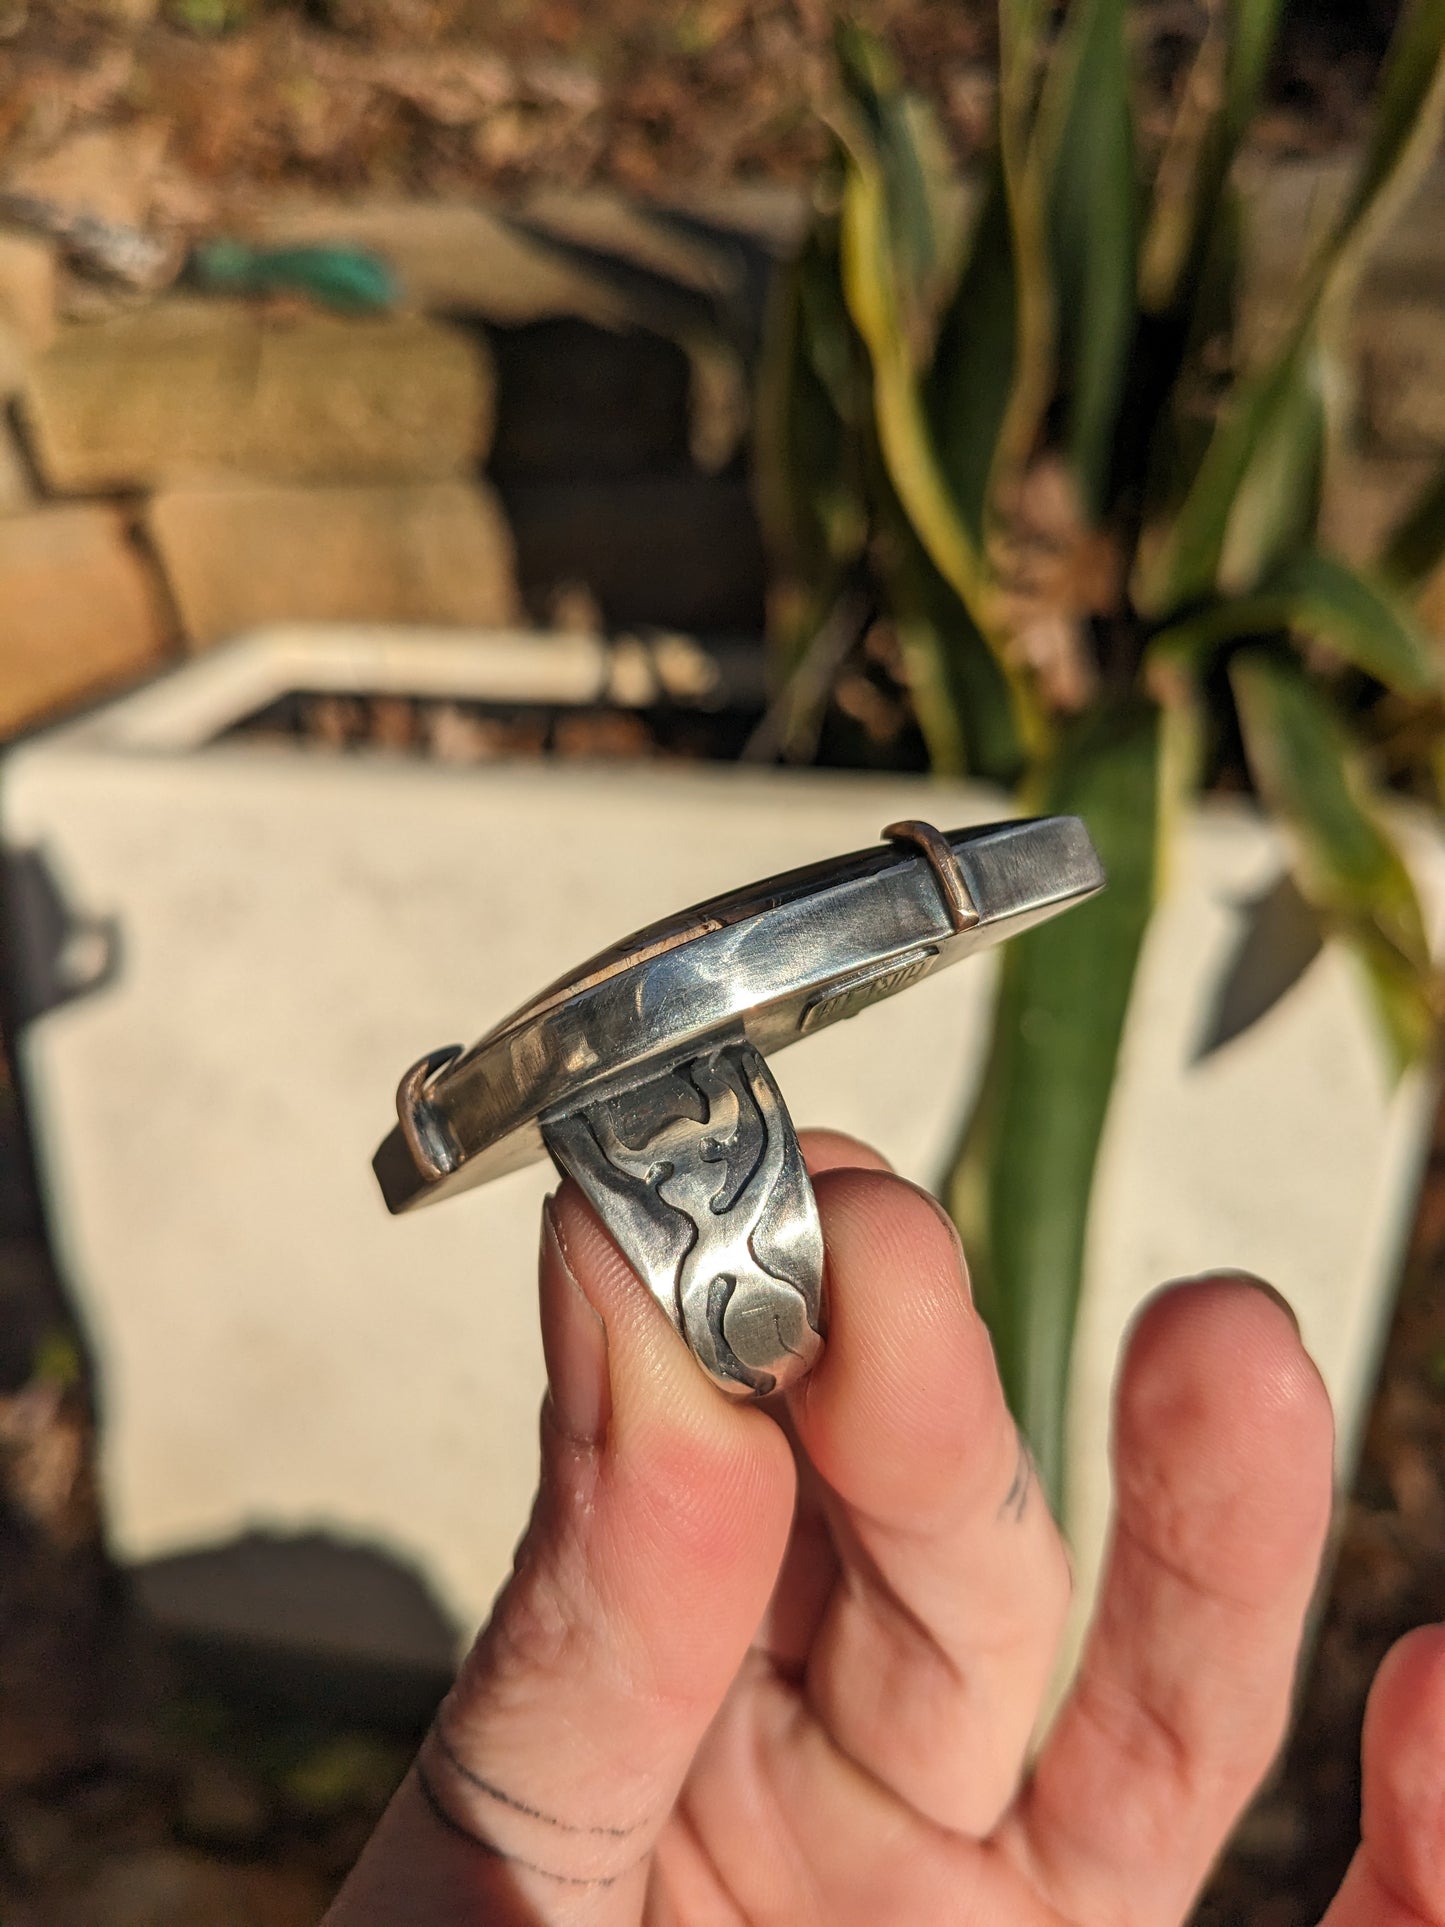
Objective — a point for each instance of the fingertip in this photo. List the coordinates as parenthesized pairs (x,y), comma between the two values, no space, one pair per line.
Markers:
(1403,1818)
(837,1151)
(1198,1338)
(1219,1400)
(706,1453)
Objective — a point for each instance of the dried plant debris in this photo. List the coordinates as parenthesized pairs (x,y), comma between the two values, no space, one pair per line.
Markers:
(451,94)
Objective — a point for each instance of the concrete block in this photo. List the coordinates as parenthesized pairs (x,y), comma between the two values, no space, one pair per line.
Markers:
(81,609)
(188,390)
(457,258)
(29,288)
(418,552)
(293,928)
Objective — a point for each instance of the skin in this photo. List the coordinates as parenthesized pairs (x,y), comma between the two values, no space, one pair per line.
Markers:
(782,1668)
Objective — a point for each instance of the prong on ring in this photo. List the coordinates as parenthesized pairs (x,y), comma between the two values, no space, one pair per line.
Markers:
(420,1126)
(937,851)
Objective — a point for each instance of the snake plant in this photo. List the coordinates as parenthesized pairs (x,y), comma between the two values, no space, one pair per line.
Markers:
(1023,423)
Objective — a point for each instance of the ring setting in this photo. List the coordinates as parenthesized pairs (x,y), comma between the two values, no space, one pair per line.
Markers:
(643,1076)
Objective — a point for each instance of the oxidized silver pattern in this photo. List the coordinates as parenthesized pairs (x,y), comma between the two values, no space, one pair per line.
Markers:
(698,1175)
(641,1073)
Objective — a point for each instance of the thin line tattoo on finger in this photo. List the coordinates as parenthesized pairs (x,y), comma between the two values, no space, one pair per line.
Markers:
(1016,1499)
(440,1812)
(500,1794)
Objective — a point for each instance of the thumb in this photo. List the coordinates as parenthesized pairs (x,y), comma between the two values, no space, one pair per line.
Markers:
(658,1530)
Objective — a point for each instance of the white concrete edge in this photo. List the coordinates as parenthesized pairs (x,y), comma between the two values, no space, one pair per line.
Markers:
(189,704)
(1405,1155)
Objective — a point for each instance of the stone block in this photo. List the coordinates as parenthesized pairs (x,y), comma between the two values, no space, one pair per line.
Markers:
(29,288)
(81,609)
(190,390)
(437,552)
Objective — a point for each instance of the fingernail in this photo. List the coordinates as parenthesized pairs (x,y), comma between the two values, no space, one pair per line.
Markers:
(1272,1291)
(1262,1285)
(574,1341)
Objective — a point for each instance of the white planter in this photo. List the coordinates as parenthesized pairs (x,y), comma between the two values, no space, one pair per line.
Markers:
(295,926)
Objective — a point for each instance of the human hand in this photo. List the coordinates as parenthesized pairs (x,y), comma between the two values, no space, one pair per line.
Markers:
(783,1669)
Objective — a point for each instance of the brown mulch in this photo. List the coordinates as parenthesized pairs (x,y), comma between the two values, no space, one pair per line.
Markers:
(449,96)
(466,96)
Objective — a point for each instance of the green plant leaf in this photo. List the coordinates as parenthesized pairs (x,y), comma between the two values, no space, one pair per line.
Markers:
(1180,366)
(807,464)
(1405,125)
(904,139)
(904,430)
(1219,100)
(1276,509)
(1020,1188)
(1185,564)
(1345,861)
(1416,549)
(970,382)
(1321,599)
(1086,152)
(960,697)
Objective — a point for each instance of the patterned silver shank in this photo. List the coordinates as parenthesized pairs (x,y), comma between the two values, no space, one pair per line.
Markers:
(698,1176)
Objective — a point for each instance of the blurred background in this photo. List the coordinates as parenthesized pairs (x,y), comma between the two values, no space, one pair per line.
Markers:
(442,443)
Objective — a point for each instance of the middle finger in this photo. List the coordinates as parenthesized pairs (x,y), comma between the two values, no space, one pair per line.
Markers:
(935,1649)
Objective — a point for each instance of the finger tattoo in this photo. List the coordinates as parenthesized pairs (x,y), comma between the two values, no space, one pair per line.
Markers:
(500,1794)
(1016,1499)
(441,1813)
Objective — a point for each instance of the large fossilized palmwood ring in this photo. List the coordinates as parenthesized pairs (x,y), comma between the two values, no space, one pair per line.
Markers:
(642,1073)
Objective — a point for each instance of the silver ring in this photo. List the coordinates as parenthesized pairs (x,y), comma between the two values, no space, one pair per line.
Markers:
(642,1072)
